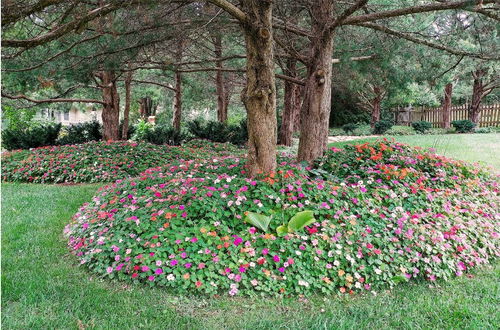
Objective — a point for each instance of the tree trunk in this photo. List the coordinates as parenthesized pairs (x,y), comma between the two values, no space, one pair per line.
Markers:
(448,89)
(291,109)
(126,111)
(376,105)
(222,99)
(111,110)
(146,108)
(316,104)
(259,94)
(176,119)
(477,96)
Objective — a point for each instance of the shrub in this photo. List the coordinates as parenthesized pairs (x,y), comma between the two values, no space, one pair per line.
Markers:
(81,133)
(163,134)
(349,128)
(219,132)
(366,217)
(33,136)
(463,126)
(400,130)
(421,126)
(141,130)
(382,126)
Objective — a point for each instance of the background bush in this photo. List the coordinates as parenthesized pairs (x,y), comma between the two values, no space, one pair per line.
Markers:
(350,127)
(382,126)
(33,136)
(421,126)
(400,130)
(219,132)
(463,126)
(81,133)
(164,134)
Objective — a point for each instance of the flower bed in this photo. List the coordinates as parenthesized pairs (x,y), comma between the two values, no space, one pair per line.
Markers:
(98,161)
(383,214)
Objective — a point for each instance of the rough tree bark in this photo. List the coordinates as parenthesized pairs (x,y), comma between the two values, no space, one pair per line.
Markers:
(259,94)
(477,96)
(146,107)
(126,111)
(177,104)
(291,109)
(448,90)
(222,97)
(316,104)
(377,99)
(111,110)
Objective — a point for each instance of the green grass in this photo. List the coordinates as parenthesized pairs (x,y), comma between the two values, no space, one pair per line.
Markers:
(43,287)
(481,148)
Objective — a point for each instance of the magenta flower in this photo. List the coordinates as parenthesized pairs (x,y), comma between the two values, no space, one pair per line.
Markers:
(265,251)
(144,268)
(173,262)
(188,265)
(151,278)
(276,258)
(281,269)
(237,241)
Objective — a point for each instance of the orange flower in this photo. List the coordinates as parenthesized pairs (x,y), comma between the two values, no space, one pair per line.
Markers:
(203,230)
(166,225)
(342,289)
(341,272)
(186,276)
(153,218)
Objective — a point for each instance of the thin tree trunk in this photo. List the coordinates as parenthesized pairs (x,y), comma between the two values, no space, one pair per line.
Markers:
(448,90)
(126,111)
(219,82)
(316,104)
(291,109)
(259,94)
(477,96)
(176,120)
(111,110)
(376,105)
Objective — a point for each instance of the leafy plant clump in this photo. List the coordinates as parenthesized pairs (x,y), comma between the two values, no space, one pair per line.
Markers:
(421,126)
(81,133)
(463,126)
(382,126)
(363,218)
(30,136)
(98,161)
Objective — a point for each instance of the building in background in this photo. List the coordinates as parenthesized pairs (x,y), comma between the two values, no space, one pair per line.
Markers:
(72,116)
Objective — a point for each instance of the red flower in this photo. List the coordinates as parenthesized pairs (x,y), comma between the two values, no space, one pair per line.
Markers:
(312,230)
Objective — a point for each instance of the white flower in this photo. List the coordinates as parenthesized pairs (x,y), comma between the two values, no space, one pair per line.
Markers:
(378,271)
(303,283)
(171,277)
(336,263)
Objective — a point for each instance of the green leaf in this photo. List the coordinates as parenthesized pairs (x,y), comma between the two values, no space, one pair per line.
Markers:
(260,221)
(300,220)
(281,230)
(399,278)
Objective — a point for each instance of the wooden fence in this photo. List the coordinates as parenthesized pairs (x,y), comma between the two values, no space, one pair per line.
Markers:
(490,115)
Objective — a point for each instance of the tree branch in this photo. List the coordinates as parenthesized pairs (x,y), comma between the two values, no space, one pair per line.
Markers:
(348,12)
(55,100)
(231,10)
(411,10)
(153,83)
(411,38)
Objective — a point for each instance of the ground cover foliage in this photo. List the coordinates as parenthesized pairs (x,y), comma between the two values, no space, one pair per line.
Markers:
(384,213)
(98,161)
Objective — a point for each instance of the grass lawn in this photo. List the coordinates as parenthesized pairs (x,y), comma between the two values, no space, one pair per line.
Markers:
(43,287)
(482,148)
